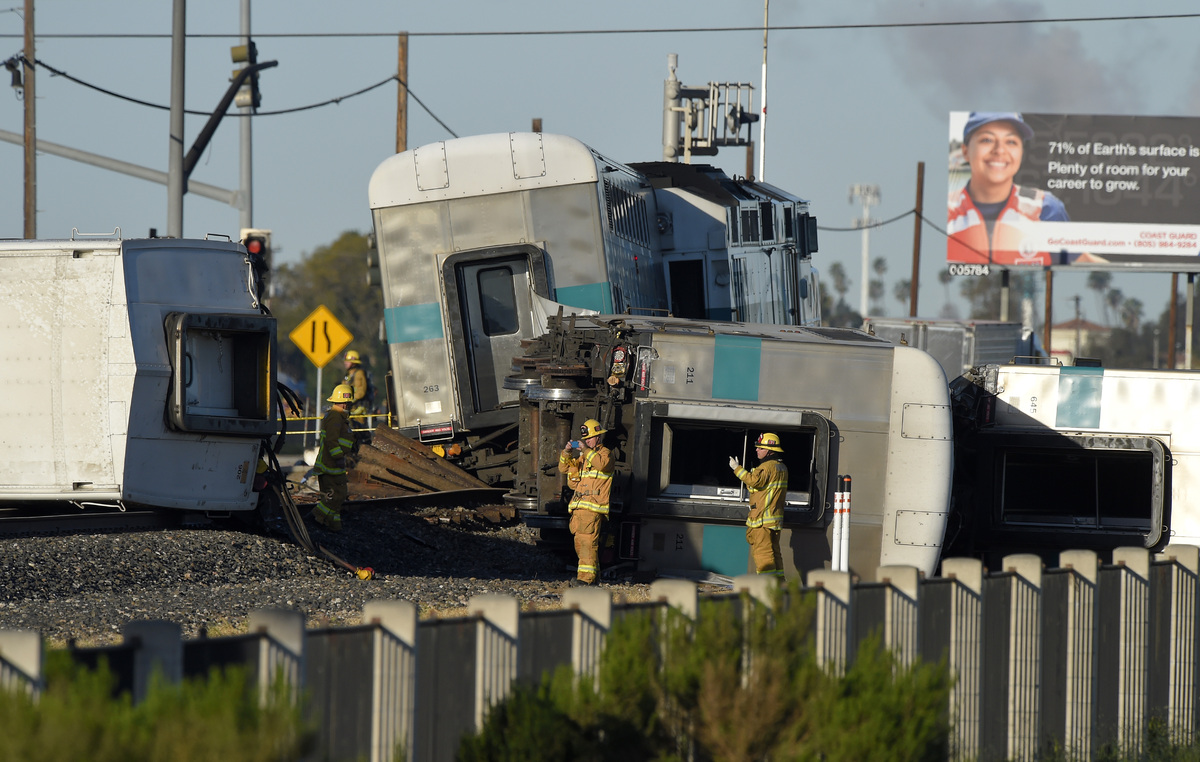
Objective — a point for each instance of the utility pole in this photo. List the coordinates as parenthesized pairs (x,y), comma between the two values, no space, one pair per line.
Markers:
(402,93)
(762,124)
(30,128)
(914,288)
(869,195)
(175,175)
(246,173)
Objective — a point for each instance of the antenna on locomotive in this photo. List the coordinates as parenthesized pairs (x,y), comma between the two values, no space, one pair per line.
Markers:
(762,123)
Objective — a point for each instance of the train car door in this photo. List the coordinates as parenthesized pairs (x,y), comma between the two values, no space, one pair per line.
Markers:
(497,314)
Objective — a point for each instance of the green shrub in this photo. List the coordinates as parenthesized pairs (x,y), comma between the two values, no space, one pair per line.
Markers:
(728,687)
(216,718)
(527,727)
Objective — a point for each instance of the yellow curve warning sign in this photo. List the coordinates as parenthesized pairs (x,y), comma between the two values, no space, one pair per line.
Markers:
(321,336)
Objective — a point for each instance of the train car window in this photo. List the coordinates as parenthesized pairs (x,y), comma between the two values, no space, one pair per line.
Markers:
(733,227)
(1078,487)
(222,373)
(498,301)
(750,231)
(767,212)
(694,460)
(789,227)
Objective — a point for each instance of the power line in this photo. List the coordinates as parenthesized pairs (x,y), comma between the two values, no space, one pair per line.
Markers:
(664,30)
(331,101)
(899,217)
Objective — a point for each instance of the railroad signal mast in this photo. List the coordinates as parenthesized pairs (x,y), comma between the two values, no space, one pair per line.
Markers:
(699,120)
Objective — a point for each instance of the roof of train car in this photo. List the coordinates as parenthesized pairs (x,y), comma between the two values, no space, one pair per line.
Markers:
(480,165)
(709,182)
(790,333)
(9,245)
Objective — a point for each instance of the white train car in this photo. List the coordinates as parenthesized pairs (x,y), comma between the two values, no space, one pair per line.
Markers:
(136,373)
(679,397)
(481,238)
(1054,457)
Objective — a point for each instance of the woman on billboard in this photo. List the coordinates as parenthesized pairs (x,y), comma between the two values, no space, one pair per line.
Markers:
(991,216)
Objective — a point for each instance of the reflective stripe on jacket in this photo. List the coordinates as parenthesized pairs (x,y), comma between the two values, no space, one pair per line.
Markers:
(336,443)
(768,490)
(595,479)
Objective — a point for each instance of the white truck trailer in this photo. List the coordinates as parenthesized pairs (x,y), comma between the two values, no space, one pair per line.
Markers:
(135,373)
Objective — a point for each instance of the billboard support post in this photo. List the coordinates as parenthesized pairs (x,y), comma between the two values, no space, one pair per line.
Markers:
(1187,328)
(1004,295)
(1172,316)
(1047,322)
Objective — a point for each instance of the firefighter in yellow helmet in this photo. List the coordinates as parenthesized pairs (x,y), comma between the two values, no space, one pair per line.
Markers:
(768,490)
(356,379)
(336,443)
(589,507)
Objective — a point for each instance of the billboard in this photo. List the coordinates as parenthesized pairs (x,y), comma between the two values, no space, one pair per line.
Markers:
(1103,192)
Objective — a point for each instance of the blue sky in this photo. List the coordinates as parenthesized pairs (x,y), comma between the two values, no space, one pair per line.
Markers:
(846,106)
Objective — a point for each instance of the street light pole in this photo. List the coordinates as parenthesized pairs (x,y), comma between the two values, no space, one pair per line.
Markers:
(869,195)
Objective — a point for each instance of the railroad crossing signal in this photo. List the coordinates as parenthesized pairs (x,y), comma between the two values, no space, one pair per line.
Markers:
(320,336)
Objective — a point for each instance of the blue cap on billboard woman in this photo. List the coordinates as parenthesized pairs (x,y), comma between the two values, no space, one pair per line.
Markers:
(980,118)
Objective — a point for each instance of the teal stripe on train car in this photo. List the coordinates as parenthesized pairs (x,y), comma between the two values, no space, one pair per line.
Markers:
(1079,390)
(736,362)
(725,550)
(592,296)
(413,322)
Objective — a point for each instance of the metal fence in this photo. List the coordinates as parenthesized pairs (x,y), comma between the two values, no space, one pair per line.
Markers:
(1072,658)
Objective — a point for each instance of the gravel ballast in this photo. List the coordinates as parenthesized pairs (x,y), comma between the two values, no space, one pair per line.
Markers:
(86,587)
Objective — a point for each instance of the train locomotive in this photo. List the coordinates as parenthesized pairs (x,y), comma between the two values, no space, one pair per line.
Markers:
(678,397)
(480,239)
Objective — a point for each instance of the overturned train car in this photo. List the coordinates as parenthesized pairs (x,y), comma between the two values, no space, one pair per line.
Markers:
(481,238)
(1052,457)
(679,397)
(136,373)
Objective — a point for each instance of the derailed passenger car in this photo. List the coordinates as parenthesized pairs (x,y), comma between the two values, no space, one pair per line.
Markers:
(1053,457)
(678,397)
(481,238)
(136,372)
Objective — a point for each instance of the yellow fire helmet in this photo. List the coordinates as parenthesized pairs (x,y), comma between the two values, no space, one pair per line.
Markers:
(768,441)
(341,393)
(352,356)
(591,428)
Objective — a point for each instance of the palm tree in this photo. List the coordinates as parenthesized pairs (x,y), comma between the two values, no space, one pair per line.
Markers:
(841,283)
(1113,301)
(1100,282)
(1131,314)
(901,291)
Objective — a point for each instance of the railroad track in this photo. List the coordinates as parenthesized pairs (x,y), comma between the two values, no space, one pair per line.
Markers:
(41,518)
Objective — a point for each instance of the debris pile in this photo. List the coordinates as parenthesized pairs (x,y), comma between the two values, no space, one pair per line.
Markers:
(392,465)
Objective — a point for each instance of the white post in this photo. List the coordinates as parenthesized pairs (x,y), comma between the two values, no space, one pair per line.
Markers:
(845,552)
(835,546)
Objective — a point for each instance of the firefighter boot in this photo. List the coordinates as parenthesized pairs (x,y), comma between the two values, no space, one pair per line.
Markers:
(327,518)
